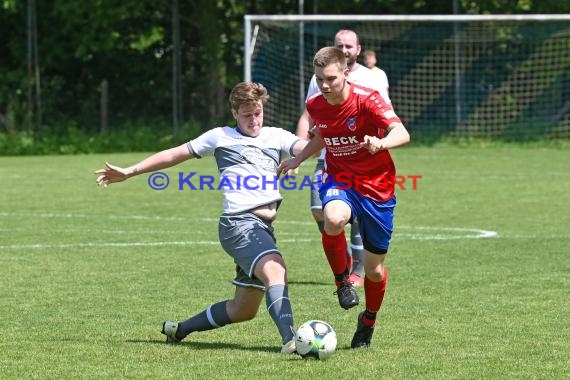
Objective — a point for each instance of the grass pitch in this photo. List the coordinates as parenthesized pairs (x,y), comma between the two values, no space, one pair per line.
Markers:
(479,273)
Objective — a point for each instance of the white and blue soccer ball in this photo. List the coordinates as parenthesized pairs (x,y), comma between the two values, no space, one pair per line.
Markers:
(315,339)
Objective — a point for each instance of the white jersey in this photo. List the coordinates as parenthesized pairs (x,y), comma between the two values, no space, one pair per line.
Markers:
(361,76)
(247,165)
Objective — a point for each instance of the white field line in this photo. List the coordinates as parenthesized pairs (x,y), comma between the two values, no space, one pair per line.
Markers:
(127,217)
(466,233)
(415,232)
(136,244)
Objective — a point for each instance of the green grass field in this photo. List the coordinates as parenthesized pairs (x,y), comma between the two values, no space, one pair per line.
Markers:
(88,274)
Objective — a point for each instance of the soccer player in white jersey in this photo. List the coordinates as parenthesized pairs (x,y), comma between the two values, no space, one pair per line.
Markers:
(348,42)
(245,227)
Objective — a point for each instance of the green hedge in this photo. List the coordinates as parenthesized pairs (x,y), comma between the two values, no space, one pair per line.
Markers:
(72,140)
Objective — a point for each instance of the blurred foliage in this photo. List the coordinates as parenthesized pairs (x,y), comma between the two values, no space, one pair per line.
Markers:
(128,44)
(136,136)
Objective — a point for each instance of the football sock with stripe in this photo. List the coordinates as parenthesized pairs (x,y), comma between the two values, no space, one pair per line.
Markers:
(357,251)
(280,310)
(213,317)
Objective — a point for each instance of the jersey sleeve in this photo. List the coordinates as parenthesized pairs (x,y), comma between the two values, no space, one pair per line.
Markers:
(383,78)
(380,84)
(288,141)
(205,144)
(381,112)
(313,87)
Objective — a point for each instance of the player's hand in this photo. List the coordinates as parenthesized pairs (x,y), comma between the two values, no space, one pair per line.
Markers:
(292,172)
(372,143)
(290,175)
(287,166)
(111,174)
(314,131)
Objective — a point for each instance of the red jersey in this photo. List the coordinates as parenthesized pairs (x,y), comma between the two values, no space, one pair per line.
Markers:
(342,128)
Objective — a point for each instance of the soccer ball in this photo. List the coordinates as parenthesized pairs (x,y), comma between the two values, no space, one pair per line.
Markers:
(315,339)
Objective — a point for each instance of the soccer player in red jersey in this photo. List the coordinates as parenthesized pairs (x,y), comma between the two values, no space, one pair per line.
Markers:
(349,42)
(357,127)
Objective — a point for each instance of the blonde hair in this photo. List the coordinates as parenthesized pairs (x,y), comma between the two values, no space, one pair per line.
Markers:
(247,93)
(329,55)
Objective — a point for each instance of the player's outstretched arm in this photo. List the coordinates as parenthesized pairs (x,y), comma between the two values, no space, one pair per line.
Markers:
(164,159)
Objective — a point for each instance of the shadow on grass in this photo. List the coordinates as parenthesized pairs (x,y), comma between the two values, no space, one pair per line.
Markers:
(209,345)
(310,283)
(228,346)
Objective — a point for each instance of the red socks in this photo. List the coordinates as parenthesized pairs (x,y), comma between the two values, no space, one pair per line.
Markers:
(374,294)
(335,250)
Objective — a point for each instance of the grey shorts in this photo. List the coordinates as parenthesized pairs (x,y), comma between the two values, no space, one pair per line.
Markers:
(246,238)
(316,203)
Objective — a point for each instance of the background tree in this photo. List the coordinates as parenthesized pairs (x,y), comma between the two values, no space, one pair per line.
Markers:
(128,44)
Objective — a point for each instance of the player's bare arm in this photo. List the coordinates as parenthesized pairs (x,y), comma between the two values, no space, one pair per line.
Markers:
(312,146)
(397,136)
(304,125)
(164,159)
(299,147)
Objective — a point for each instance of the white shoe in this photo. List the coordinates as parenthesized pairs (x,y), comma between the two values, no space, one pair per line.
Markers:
(169,329)
(289,347)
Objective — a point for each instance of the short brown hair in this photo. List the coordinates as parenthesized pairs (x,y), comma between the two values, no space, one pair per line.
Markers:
(329,55)
(247,93)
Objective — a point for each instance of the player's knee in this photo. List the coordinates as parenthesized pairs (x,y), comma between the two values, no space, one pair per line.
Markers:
(334,225)
(276,273)
(273,272)
(374,271)
(333,229)
(374,274)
